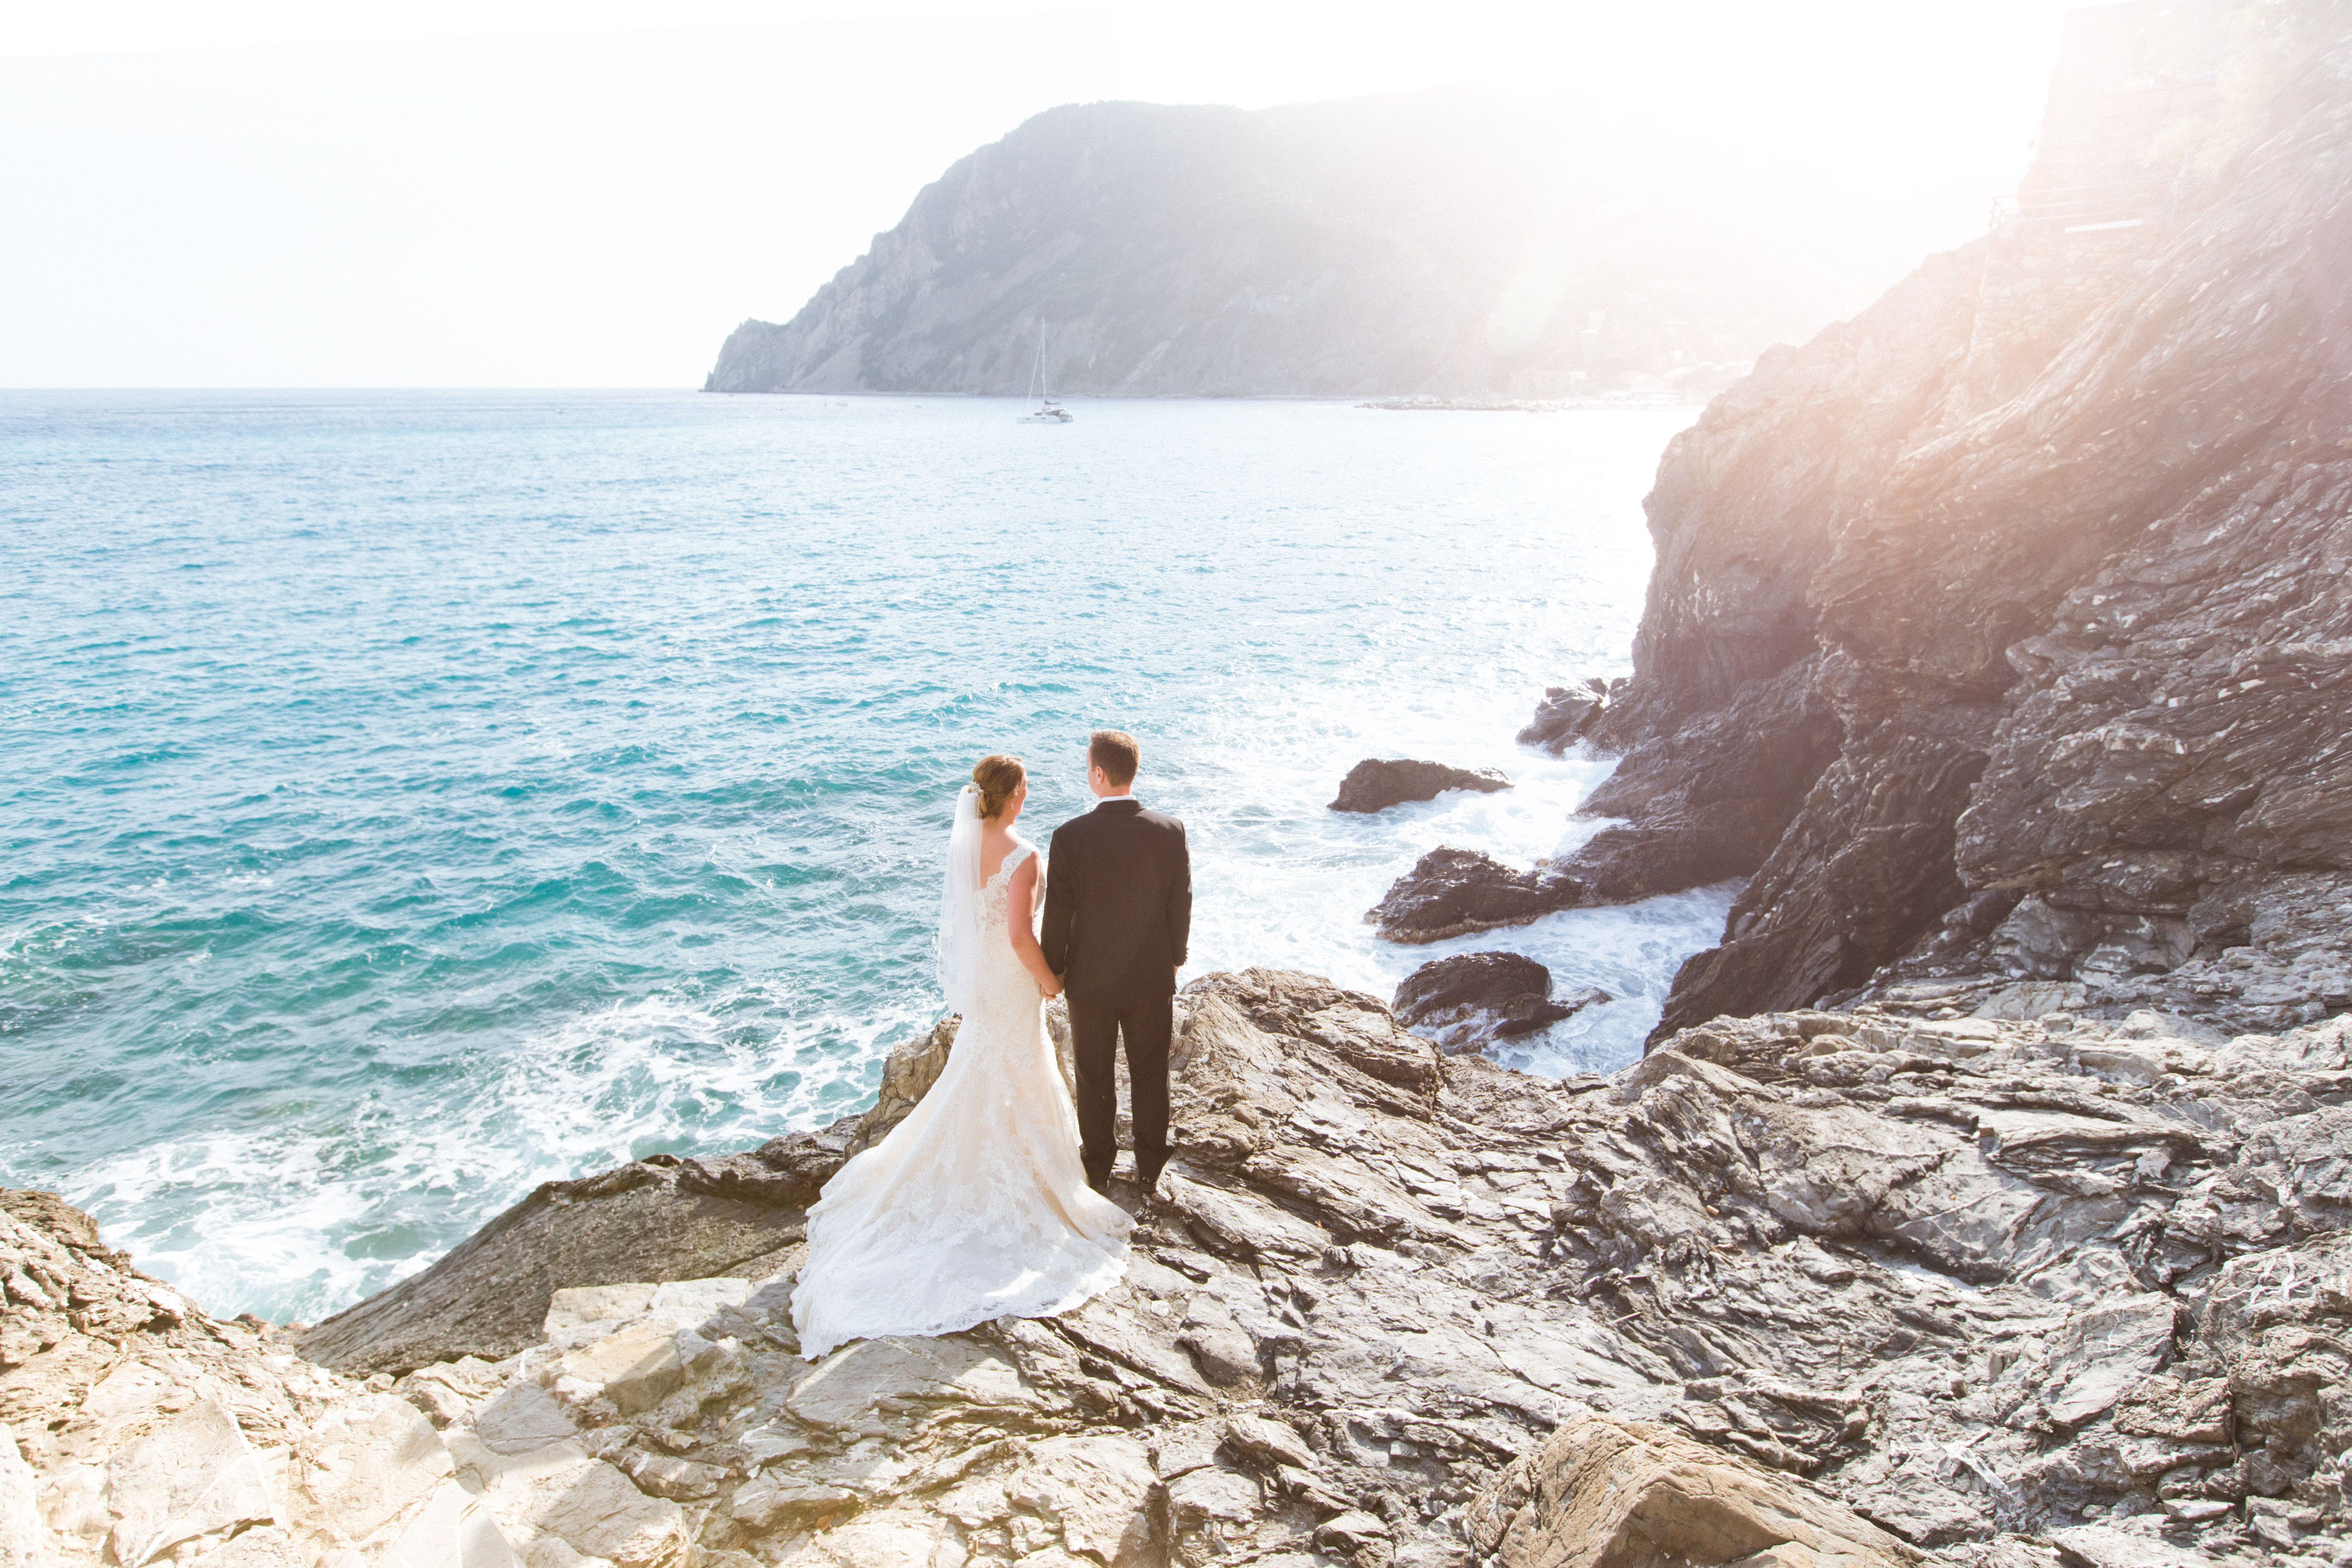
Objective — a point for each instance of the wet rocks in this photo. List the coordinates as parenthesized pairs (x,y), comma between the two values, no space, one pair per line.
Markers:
(1567,714)
(1373,785)
(1471,999)
(1453,892)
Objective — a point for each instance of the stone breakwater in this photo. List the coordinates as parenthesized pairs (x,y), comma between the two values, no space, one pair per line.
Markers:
(1800,1287)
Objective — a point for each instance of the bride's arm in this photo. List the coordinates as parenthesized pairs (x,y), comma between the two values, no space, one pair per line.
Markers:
(1020,899)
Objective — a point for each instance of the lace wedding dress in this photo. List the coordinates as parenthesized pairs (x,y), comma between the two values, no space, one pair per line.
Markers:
(975,1206)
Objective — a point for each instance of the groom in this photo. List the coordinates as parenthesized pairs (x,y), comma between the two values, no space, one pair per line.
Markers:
(1119,909)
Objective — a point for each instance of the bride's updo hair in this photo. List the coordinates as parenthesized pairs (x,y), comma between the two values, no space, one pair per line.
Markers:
(996,778)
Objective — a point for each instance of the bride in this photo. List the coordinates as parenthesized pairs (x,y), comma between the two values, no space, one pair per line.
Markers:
(976,1205)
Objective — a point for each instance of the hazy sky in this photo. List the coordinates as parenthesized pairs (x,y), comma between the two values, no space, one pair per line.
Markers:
(528,193)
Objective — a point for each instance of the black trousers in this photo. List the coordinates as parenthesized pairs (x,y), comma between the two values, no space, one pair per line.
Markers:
(1095,1029)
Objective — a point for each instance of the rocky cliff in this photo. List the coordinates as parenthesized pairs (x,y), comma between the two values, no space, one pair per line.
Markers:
(1803,1289)
(1999,635)
(1434,243)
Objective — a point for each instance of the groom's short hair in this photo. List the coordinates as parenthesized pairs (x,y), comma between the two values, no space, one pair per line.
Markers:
(1116,754)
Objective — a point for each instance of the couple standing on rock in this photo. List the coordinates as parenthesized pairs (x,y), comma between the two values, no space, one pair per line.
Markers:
(992,1198)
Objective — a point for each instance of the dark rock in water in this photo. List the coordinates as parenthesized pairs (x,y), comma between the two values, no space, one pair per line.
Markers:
(1465,1001)
(1453,892)
(1373,785)
(1567,714)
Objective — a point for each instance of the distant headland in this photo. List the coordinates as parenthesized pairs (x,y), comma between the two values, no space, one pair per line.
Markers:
(1423,245)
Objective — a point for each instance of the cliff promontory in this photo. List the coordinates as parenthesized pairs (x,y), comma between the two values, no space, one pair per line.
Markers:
(1999,636)
(1434,243)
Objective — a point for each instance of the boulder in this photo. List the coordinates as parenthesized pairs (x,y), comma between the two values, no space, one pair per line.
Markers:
(1359,1029)
(1097,1489)
(361,1471)
(843,1392)
(1467,1001)
(1372,785)
(1610,1494)
(1453,892)
(1566,715)
(453,1530)
(196,1477)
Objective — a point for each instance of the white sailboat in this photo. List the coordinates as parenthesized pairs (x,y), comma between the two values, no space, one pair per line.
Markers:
(1047,411)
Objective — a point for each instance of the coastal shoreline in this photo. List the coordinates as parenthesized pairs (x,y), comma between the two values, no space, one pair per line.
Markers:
(1984,1198)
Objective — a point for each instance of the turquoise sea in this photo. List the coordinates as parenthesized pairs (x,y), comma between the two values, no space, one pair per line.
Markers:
(412,796)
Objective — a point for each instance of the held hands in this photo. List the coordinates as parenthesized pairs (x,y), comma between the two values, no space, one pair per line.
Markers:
(1050,989)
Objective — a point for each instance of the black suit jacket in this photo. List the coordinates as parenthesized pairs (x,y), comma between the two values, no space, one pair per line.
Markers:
(1118,903)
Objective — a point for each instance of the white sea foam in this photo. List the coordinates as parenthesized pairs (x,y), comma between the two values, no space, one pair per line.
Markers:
(1294,893)
(301,1221)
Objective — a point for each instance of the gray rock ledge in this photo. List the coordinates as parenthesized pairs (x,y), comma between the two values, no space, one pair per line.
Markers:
(1800,1287)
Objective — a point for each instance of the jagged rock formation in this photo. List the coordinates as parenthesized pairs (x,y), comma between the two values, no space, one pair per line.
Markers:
(1376,785)
(1431,243)
(1991,1294)
(2002,630)
(1455,892)
(2077,643)
(1467,1002)
(1567,714)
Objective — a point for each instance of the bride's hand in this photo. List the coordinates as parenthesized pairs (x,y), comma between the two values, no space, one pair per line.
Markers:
(1051,991)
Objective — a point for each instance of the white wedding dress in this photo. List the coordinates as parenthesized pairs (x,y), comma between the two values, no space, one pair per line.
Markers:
(976,1205)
